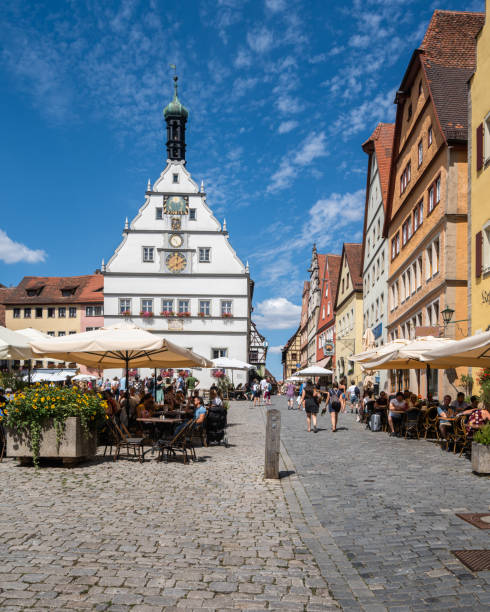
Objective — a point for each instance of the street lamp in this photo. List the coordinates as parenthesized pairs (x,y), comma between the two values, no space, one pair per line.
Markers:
(447,315)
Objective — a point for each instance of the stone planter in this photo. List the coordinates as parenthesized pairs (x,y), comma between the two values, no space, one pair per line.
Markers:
(75,446)
(480,458)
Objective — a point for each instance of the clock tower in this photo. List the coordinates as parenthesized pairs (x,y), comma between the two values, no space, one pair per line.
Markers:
(175,272)
(176,115)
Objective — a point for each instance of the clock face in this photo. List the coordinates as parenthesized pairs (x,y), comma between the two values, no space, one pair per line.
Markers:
(176,262)
(175,205)
(175,241)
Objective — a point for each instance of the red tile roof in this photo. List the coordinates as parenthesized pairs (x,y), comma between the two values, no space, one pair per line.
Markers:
(381,143)
(448,58)
(85,289)
(450,38)
(353,253)
(334,262)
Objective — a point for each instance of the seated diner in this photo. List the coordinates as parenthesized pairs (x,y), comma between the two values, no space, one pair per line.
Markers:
(398,407)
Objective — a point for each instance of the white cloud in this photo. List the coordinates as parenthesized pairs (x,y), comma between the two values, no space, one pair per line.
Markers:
(242,86)
(312,148)
(243,59)
(275,5)
(260,40)
(362,118)
(15,252)
(287,126)
(359,41)
(339,210)
(277,313)
(275,350)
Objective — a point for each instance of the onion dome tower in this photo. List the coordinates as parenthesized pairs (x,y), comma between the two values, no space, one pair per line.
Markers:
(176,115)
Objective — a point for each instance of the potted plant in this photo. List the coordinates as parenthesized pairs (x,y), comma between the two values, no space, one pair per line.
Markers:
(227,315)
(187,314)
(167,313)
(202,314)
(44,421)
(480,450)
(146,314)
(126,313)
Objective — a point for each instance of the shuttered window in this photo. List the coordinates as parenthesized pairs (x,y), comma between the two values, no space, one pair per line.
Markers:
(479,147)
(478,254)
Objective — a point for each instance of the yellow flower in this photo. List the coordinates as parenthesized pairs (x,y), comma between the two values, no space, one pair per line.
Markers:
(53,406)
(42,399)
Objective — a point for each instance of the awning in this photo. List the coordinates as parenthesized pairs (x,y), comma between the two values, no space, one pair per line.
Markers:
(323,363)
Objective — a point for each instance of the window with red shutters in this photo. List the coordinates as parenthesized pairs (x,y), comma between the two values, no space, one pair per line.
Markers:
(479,147)
(478,254)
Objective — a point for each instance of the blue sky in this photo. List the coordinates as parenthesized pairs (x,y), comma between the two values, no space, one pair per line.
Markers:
(281,95)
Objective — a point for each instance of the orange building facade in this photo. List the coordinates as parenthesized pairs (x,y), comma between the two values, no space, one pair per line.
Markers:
(426,222)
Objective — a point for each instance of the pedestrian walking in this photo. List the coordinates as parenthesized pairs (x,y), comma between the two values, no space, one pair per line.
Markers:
(335,405)
(267,392)
(310,404)
(290,389)
(256,393)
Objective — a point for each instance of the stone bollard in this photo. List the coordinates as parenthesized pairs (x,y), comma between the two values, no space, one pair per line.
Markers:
(272,443)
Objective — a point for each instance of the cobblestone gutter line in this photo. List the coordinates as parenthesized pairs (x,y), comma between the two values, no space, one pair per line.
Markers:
(344,582)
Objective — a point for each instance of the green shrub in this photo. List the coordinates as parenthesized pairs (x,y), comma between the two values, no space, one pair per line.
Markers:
(34,407)
(482,436)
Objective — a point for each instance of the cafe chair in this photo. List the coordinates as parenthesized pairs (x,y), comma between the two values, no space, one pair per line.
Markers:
(124,441)
(460,435)
(412,424)
(180,443)
(431,423)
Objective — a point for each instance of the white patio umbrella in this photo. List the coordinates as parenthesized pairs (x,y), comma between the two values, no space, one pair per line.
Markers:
(377,351)
(14,345)
(84,377)
(313,371)
(231,364)
(408,356)
(473,351)
(226,363)
(119,345)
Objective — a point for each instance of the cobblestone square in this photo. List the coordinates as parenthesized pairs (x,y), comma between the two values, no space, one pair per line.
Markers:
(358,521)
(154,536)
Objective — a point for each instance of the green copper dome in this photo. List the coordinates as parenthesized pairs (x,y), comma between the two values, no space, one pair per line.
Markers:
(175,108)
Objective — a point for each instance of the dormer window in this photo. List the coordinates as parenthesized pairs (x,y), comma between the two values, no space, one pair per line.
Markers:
(175,178)
(68,291)
(34,292)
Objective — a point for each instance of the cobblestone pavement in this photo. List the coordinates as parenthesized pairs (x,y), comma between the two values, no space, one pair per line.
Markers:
(125,536)
(379,515)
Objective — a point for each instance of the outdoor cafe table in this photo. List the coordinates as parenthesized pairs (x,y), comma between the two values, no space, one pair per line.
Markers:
(154,422)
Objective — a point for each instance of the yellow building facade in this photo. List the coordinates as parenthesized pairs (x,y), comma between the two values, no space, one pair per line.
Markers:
(479,192)
(348,314)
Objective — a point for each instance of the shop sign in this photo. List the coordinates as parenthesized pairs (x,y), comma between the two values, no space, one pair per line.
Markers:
(378,330)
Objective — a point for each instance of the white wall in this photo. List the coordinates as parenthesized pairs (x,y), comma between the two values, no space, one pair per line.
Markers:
(224,277)
(375,251)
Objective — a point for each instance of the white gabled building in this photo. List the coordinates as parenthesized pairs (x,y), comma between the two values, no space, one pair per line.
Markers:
(375,262)
(175,272)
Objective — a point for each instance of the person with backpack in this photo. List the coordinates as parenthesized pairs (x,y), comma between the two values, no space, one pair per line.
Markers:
(335,395)
(256,393)
(310,403)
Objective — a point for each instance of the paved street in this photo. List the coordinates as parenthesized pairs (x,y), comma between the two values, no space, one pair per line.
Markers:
(121,536)
(372,516)
(382,516)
